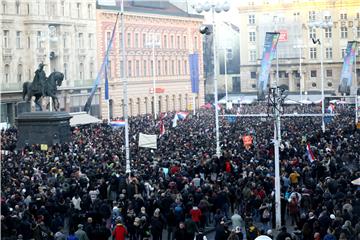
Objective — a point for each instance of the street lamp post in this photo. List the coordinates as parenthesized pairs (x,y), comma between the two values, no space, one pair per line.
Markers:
(125,91)
(322,24)
(218,8)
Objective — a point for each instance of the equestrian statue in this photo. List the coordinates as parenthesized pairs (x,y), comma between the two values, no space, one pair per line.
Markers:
(43,86)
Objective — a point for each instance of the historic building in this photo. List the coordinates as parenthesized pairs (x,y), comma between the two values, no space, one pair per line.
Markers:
(58,33)
(291,18)
(175,35)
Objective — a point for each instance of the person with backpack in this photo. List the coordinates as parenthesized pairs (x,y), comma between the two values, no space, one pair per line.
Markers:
(264,216)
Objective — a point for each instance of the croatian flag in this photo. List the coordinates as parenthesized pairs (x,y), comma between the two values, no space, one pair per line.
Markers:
(117,123)
(331,108)
(309,153)
(182,115)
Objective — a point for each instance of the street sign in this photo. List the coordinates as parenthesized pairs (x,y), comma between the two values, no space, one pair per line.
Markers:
(283,35)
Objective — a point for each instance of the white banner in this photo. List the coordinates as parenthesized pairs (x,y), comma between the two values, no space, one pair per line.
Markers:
(147,141)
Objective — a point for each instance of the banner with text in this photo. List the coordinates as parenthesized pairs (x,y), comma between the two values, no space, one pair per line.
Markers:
(271,40)
(346,73)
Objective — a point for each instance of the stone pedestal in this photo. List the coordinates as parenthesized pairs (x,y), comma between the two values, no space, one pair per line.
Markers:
(23,107)
(43,128)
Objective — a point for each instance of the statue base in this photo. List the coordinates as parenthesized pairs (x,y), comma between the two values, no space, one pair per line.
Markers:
(43,128)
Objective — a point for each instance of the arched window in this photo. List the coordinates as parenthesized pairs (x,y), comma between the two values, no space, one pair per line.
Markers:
(186,102)
(131,106)
(91,70)
(167,102)
(19,73)
(180,102)
(146,105)
(7,73)
(65,71)
(173,102)
(138,106)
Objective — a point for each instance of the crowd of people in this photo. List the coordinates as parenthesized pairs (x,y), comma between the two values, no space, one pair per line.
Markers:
(79,190)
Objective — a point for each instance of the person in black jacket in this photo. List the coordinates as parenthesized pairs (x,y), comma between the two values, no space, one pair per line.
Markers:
(180,232)
(283,234)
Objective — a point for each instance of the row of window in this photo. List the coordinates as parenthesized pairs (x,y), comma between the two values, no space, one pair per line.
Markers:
(312,16)
(136,40)
(284,74)
(312,33)
(52,8)
(145,68)
(40,40)
(312,54)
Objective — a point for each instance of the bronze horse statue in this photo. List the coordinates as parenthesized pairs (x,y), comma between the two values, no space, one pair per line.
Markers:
(50,87)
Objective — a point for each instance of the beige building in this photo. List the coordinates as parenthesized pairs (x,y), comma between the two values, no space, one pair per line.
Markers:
(59,33)
(291,18)
(176,35)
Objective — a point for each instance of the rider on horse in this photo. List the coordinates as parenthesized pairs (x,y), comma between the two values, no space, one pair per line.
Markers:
(39,80)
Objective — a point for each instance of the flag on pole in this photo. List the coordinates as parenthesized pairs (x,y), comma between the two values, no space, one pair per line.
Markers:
(97,80)
(346,72)
(331,108)
(194,72)
(182,115)
(309,153)
(117,123)
(106,82)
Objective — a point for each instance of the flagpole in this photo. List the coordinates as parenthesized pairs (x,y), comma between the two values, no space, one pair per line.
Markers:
(108,108)
(194,104)
(125,92)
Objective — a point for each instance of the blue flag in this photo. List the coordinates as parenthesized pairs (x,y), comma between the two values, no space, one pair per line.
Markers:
(194,72)
(106,84)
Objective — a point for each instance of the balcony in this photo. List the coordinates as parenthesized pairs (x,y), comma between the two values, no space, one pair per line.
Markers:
(7,55)
(83,83)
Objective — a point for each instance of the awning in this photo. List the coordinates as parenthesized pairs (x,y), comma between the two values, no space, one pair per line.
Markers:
(82,118)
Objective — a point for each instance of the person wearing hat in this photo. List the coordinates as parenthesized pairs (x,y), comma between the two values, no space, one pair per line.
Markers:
(80,233)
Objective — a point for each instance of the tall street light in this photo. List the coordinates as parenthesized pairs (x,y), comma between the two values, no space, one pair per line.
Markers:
(218,8)
(354,29)
(324,23)
(125,91)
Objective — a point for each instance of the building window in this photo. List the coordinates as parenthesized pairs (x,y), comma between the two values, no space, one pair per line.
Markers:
(312,33)
(65,40)
(328,53)
(172,67)
(62,8)
(159,67)
(179,67)
(252,37)
(136,40)
(152,67)
(19,73)
(166,67)
(178,42)
(128,40)
(90,40)
(185,67)
(144,39)
(343,32)
(91,70)
(137,68)
(39,39)
(171,41)
(251,19)
(28,42)
(81,40)
(129,73)
(312,16)
(108,38)
(78,9)
(358,32)
(145,68)
(81,71)
(17,8)
(89,11)
(343,52)
(328,72)
(253,75)
(109,69)
(7,73)
(252,55)
(185,42)
(195,43)
(6,39)
(328,32)
(165,41)
(4,8)
(343,16)
(313,73)
(28,9)
(312,53)
(18,39)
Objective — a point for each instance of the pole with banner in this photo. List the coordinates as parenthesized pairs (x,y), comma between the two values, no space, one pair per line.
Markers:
(346,72)
(271,40)
(107,98)
(194,76)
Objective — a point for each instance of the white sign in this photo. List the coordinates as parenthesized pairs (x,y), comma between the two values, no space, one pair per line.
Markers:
(147,141)
(107,2)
